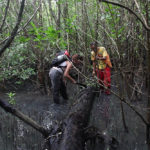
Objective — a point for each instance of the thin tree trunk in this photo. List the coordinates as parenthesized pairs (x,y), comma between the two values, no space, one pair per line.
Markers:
(123,117)
(59,19)
(121,91)
(14,32)
(40,14)
(4,18)
(65,17)
(96,24)
(52,12)
(84,29)
(148,72)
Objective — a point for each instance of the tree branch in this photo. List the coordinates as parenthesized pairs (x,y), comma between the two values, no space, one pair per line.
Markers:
(52,13)
(138,7)
(3,21)
(131,11)
(23,26)
(14,32)
(23,117)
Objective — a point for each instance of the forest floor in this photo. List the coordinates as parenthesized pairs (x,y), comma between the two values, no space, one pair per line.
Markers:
(105,115)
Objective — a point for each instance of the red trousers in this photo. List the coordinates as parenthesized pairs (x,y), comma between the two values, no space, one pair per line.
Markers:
(104,77)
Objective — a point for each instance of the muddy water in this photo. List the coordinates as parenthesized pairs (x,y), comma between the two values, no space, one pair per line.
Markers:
(106,115)
(15,134)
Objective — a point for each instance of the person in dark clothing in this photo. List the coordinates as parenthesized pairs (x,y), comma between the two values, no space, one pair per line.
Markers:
(59,75)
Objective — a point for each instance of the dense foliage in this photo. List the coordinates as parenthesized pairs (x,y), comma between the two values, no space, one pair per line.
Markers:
(51,25)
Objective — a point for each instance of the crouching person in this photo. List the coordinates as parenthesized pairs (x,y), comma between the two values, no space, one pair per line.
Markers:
(59,75)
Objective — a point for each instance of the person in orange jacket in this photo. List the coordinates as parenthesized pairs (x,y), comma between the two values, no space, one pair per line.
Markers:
(101,66)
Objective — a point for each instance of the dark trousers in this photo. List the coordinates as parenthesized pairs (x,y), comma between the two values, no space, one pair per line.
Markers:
(58,86)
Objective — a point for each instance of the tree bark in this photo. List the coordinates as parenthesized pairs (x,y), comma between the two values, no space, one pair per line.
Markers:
(52,12)
(59,19)
(73,136)
(23,117)
(148,73)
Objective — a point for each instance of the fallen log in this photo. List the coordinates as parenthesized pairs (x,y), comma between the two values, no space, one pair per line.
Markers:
(69,135)
(72,133)
(8,108)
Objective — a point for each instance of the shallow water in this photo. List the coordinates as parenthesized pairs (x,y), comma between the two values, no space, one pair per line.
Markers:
(106,115)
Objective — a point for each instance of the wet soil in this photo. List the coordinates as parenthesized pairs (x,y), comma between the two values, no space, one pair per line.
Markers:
(105,115)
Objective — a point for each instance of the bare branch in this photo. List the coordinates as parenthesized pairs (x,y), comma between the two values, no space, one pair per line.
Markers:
(23,117)
(24,25)
(137,5)
(3,21)
(14,32)
(131,11)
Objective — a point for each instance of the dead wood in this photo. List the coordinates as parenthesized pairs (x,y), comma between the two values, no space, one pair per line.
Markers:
(72,133)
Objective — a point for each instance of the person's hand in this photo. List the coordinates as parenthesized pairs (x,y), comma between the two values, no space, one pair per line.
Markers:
(74,82)
(93,73)
(99,57)
(65,81)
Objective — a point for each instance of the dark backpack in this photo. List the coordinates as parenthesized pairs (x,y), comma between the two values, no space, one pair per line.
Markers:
(60,57)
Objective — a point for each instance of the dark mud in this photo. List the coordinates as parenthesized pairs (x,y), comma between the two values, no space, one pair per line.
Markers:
(105,115)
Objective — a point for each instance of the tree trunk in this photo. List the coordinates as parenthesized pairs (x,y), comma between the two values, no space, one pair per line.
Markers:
(58,20)
(148,73)
(14,31)
(73,136)
(70,134)
(4,18)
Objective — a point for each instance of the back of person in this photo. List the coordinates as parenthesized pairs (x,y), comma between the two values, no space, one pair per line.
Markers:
(61,57)
(59,75)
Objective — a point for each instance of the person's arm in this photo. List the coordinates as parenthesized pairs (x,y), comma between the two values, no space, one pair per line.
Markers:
(93,61)
(94,67)
(66,73)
